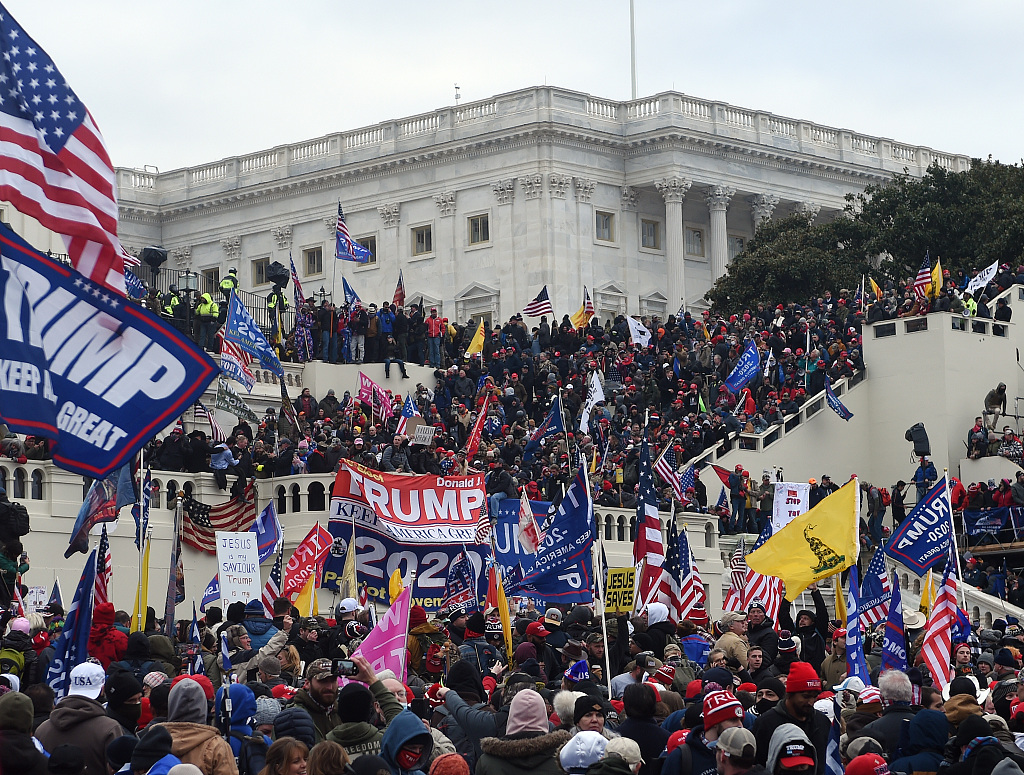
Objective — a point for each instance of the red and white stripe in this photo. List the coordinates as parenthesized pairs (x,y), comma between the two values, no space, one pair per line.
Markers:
(648,545)
(272,589)
(737,578)
(938,632)
(232,516)
(104,570)
(666,470)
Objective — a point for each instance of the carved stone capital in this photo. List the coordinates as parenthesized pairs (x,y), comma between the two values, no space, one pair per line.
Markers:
(584,188)
(504,191)
(232,247)
(761,207)
(533,186)
(558,185)
(630,197)
(132,251)
(390,213)
(445,203)
(282,236)
(718,197)
(331,224)
(809,210)
(673,189)
(182,256)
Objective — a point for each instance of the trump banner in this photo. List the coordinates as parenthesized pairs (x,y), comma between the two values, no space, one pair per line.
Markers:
(417,509)
(372,393)
(84,367)
(746,368)
(922,540)
(307,559)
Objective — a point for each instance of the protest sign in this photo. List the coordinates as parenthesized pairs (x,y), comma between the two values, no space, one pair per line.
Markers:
(238,567)
(791,500)
(422,433)
(619,590)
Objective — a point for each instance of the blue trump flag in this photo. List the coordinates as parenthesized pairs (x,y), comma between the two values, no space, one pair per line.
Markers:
(924,537)
(55,596)
(834,403)
(833,758)
(746,368)
(856,665)
(102,503)
(346,248)
(351,297)
(195,665)
(141,510)
(564,566)
(894,644)
(241,329)
(551,426)
(72,647)
(83,367)
(460,589)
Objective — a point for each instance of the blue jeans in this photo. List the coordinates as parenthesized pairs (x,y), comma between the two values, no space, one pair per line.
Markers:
(875,526)
(435,351)
(329,343)
(739,514)
(208,335)
(495,501)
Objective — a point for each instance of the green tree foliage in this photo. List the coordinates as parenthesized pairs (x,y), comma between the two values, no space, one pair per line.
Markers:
(968,219)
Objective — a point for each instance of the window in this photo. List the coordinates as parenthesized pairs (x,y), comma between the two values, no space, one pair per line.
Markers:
(314,261)
(695,242)
(736,245)
(479,229)
(604,228)
(259,271)
(422,241)
(650,234)
(212,278)
(370,243)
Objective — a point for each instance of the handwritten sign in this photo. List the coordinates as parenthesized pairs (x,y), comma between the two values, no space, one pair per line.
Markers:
(238,567)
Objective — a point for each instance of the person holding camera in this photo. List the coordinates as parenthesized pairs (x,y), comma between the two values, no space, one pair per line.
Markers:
(309,639)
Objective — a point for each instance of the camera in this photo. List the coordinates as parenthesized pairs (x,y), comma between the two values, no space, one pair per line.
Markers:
(345,667)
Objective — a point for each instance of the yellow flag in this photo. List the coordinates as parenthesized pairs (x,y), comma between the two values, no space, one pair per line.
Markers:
(875,289)
(815,545)
(936,286)
(477,345)
(395,585)
(503,612)
(927,596)
(584,313)
(348,586)
(840,599)
(142,593)
(306,601)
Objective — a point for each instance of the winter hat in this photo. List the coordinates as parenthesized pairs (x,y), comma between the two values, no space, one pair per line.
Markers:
(120,686)
(475,623)
(786,643)
(417,616)
(119,751)
(860,746)
(720,706)
(21,624)
(154,679)
(296,722)
(254,608)
(184,769)
(152,747)
(354,703)
(580,671)
(867,764)
(584,749)
(267,709)
(1005,658)
(802,678)
(66,760)
(665,675)
(527,713)
(16,713)
(970,728)
(448,764)
(271,666)
(772,684)
(987,658)
(587,704)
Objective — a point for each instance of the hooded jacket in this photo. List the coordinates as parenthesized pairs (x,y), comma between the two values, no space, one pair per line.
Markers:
(194,741)
(788,733)
(137,659)
(524,753)
(19,641)
(362,737)
(929,732)
(162,650)
(106,642)
(815,728)
(83,722)
(243,708)
(659,627)
(324,719)
(765,636)
(702,758)
(260,629)
(405,728)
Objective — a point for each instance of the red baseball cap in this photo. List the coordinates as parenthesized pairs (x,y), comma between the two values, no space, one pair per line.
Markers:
(537,629)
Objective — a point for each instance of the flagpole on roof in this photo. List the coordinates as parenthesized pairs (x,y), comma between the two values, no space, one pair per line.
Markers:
(952,538)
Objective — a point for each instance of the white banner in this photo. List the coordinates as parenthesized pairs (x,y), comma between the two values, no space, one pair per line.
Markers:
(238,567)
(983,278)
(638,332)
(595,394)
(791,500)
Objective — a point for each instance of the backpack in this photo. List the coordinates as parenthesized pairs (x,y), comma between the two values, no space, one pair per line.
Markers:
(19,515)
(138,667)
(430,646)
(252,753)
(885,496)
(12,661)
(451,729)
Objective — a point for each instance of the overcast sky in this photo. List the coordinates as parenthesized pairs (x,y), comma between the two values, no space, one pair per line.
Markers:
(181,83)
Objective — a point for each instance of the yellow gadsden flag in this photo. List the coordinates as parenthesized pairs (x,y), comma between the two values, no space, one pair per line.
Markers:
(395,585)
(477,345)
(815,545)
(927,595)
(936,286)
(584,313)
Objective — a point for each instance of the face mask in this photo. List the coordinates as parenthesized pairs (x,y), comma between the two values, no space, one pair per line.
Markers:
(764,705)
(407,760)
(132,712)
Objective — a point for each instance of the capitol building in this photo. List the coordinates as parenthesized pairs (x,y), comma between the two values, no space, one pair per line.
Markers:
(643,202)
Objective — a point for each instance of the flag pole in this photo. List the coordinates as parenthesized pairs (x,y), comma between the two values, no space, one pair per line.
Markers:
(952,538)
(599,546)
(172,575)
(139,528)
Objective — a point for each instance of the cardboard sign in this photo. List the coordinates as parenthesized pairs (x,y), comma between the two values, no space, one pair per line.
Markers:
(424,433)
(238,567)
(618,591)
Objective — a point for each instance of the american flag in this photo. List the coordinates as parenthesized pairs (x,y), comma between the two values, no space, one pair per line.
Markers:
(938,631)
(540,306)
(54,166)
(104,569)
(234,361)
(202,413)
(272,589)
(399,298)
(483,525)
(408,410)
(923,279)
(723,500)
(201,522)
(666,468)
(756,587)
(648,546)
(691,587)
(737,575)
(875,592)
(300,297)
(345,248)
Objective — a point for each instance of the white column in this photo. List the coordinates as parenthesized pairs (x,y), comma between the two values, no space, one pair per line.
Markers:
(718,198)
(673,190)
(761,208)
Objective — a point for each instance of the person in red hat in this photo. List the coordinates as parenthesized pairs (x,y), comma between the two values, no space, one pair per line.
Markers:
(802,688)
(721,711)
(868,764)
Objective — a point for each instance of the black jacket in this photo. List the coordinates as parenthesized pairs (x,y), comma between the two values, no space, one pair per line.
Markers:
(816,726)
(887,729)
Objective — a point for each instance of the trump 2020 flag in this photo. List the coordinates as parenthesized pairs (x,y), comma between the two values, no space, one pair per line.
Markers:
(551,426)
(351,297)
(856,665)
(923,539)
(241,330)
(834,403)
(746,368)
(196,666)
(894,644)
(72,647)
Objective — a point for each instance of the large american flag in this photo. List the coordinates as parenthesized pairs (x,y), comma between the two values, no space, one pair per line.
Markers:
(202,413)
(300,297)
(756,587)
(409,411)
(399,298)
(666,468)
(540,306)
(938,632)
(691,587)
(345,248)
(875,592)
(104,569)
(272,589)
(200,522)
(737,575)
(54,166)
(648,546)
(923,279)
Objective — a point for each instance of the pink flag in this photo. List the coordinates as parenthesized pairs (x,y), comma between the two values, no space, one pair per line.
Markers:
(384,647)
(372,393)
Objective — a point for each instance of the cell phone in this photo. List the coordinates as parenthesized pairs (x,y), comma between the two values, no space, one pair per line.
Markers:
(345,667)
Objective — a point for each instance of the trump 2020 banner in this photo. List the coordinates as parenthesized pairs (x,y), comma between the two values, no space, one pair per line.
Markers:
(923,538)
(417,509)
(85,367)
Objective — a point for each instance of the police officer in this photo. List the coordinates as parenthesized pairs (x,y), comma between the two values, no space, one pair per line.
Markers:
(229,284)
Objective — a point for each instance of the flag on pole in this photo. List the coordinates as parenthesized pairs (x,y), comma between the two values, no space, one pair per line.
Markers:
(72,647)
(460,586)
(691,587)
(754,586)
(737,577)
(875,591)
(505,615)
(540,305)
(200,522)
(927,595)
(666,467)
(216,432)
(595,396)
(638,332)
(399,297)
(477,343)
(551,426)
(141,510)
(980,281)
(894,643)
(834,403)
(351,297)
(923,281)
(409,411)
(235,362)
(936,285)
(307,560)
(54,165)
(723,500)
(583,315)
(529,532)
(306,601)
(938,632)
(300,297)
(104,569)
(856,665)
(240,329)
(875,289)
(272,589)
(142,592)
(345,248)
(102,503)
(478,429)
(196,666)
(833,757)
(348,582)
(55,596)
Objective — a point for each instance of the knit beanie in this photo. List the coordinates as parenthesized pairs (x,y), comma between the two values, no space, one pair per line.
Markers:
(720,706)
(66,760)
(449,764)
(772,684)
(475,623)
(587,704)
(119,751)
(527,713)
(354,703)
(120,686)
(267,709)
(802,678)
(417,616)
(16,713)
(152,747)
